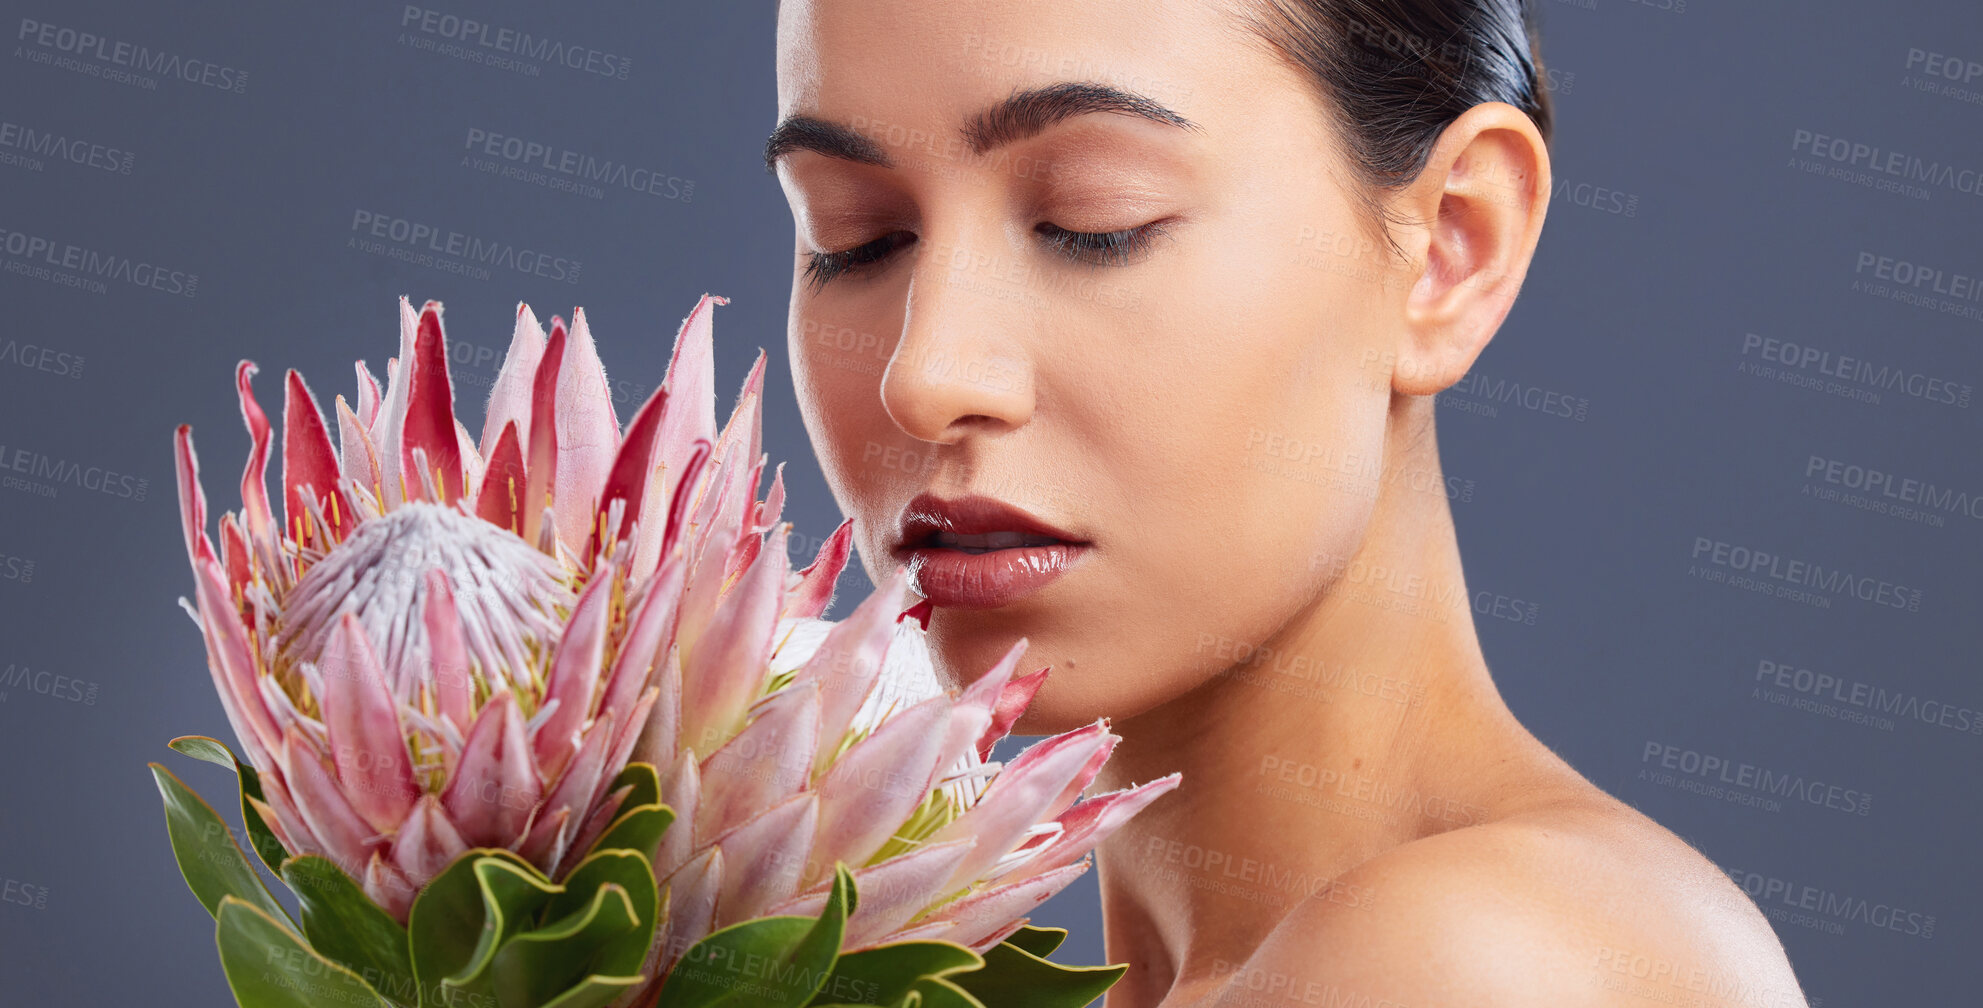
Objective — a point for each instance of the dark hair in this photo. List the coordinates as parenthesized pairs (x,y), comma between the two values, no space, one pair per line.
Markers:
(1395,73)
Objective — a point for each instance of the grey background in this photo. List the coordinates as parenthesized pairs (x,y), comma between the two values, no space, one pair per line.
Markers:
(1688,116)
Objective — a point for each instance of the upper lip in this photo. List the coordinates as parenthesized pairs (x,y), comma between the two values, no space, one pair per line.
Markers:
(927,514)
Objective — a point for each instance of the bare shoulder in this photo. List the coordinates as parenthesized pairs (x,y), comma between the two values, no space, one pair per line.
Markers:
(1583,901)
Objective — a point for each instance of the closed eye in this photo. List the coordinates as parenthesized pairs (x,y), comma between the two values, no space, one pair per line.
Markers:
(1110,248)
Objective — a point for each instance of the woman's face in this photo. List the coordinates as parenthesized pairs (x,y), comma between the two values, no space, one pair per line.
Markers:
(1207,413)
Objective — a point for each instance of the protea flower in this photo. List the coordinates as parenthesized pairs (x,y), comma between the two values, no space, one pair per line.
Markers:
(448,644)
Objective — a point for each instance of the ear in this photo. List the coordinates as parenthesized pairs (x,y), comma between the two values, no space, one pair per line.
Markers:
(1478,209)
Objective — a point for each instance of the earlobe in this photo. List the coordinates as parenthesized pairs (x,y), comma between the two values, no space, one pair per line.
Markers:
(1480,201)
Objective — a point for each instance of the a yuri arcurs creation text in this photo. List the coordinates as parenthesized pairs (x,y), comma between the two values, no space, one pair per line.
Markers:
(546,719)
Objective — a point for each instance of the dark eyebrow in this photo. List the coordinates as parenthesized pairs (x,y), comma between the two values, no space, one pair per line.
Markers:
(1023,114)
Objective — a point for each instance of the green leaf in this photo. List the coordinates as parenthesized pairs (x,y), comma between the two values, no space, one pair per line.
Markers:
(270,966)
(344,924)
(267,847)
(630,871)
(646,785)
(938,992)
(1037,940)
(595,992)
(885,974)
(770,962)
(1015,978)
(465,914)
(538,965)
(204,846)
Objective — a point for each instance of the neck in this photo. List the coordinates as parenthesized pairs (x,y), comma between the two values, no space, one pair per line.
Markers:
(1358,726)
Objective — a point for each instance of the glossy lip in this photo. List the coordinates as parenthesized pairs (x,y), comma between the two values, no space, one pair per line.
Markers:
(957,579)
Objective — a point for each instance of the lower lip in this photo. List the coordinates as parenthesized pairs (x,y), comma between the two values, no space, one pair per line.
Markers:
(960,580)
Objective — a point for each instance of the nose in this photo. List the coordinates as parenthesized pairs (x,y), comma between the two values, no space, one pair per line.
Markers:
(962,361)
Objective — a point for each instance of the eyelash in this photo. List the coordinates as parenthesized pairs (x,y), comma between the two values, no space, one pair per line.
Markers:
(1112,248)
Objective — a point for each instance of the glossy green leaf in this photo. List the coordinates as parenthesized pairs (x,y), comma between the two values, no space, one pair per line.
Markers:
(885,974)
(1015,978)
(204,846)
(770,962)
(630,871)
(595,992)
(270,966)
(1037,940)
(465,914)
(940,992)
(344,924)
(260,837)
(538,965)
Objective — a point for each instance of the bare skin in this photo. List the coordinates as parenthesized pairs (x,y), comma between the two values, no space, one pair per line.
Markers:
(1239,418)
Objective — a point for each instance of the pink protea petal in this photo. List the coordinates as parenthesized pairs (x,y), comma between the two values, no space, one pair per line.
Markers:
(872,788)
(388,427)
(632,469)
(254,483)
(681,790)
(572,794)
(1090,821)
(541,452)
(814,592)
(772,507)
(648,632)
(604,812)
(288,827)
(575,672)
(849,659)
(450,677)
(725,667)
(510,396)
(691,386)
(692,903)
(588,433)
(368,395)
(358,460)
(981,920)
(430,423)
(503,483)
(658,737)
(308,460)
(368,745)
(426,841)
(496,785)
(235,557)
(471,458)
(347,839)
(624,738)
(233,666)
(899,888)
(389,887)
(1028,791)
(769,759)
(192,498)
(1013,699)
(770,851)
(976,710)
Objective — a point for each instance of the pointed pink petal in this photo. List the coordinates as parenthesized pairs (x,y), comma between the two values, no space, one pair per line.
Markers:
(503,483)
(388,428)
(815,590)
(254,484)
(573,792)
(1027,792)
(307,456)
(769,851)
(872,788)
(509,397)
(633,468)
(348,840)
(681,790)
(426,842)
(588,434)
(233,667)
(288,827)
(451,678)
(1012,701)
(192,499)
(849,660)
(356,457)
(770,759)
(234,554)
(389,887)
(604,812)
(430,423)
(976,709)
(979,921)
(575,670)
(368,396)
(692,902)
(367,742)
(773,506)
(691,388)
(496,785)
(898,889)
(725,667)
(641,653)
(1093,820)
(541,456)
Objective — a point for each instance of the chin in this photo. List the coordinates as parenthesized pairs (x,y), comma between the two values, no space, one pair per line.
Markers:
(1075,694)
